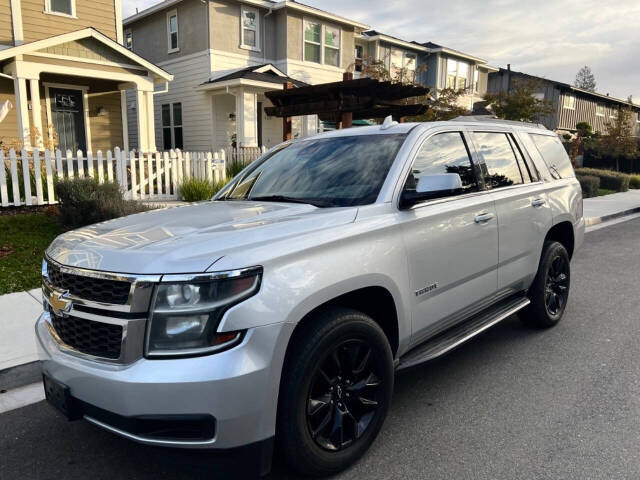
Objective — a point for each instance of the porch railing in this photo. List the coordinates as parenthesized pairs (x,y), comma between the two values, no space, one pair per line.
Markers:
(29,178)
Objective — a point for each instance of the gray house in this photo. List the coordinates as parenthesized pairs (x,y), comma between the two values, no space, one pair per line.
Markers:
(428,63)
(571,105)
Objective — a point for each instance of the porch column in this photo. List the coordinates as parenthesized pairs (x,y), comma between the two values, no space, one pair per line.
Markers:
(125,120)
(36,111)
(151,122)
(141,112)
(22,109)
(246,119)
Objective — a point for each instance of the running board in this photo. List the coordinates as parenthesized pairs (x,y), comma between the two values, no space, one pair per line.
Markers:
(450,339)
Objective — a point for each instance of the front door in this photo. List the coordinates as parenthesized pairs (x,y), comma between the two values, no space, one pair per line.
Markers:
(67,116)
(451,240)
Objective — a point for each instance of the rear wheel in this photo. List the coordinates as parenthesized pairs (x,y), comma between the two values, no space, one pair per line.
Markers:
(336,390)
(549,292)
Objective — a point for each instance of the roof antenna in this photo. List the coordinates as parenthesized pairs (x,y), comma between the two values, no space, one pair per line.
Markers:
(388,123)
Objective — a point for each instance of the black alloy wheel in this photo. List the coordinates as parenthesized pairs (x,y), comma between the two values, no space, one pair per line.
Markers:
(343,397)
(557,285)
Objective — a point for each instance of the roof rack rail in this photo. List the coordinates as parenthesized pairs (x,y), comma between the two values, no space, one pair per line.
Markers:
(491,119)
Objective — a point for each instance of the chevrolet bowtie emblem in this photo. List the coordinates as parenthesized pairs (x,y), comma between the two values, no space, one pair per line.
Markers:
(60,302)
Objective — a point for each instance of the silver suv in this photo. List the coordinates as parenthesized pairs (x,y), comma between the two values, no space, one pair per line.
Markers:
(276,314)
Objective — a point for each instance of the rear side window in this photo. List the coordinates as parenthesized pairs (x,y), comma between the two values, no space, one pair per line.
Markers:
(440,154)
(500,167)
(554,154)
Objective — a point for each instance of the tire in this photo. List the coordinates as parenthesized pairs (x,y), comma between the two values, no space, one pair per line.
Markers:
(312,379)
(552,281)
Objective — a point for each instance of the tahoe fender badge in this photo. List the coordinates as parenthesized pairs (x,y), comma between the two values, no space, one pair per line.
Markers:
(427,289)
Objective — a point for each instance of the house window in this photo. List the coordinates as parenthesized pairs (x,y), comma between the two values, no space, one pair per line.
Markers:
(476,80)
(172,30)
(61,7)
(457,74)
(569,102)
(614,113)
(172,126)
(600,110)
(403,65)
(128,40)
(321,43)
(250,28)
(359,58)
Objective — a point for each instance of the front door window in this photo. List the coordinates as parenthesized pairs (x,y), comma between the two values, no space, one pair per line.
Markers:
(67,116)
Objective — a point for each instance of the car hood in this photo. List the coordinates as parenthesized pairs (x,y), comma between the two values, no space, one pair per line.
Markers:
(189,238)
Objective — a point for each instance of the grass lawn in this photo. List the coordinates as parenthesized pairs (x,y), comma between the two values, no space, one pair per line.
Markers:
(603,191)
(23,240)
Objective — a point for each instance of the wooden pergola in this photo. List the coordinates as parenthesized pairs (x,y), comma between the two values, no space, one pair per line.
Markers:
(345,101)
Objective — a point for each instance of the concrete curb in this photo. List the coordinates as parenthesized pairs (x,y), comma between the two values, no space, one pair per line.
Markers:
(20,375)
(589,222)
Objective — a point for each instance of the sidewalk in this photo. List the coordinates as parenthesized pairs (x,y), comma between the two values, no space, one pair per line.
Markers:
(601,209)
(19,311)
(18,315)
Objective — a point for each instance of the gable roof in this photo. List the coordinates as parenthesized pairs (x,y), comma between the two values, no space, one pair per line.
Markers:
(81,34)
(260,73)
(268,4)
(568,87)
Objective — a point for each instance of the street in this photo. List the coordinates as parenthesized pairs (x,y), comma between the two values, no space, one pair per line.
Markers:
(513,403)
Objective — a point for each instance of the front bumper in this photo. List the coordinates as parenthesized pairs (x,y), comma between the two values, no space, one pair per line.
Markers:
(238,387)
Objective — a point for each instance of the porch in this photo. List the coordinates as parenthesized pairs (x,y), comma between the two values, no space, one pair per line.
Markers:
(238,104)
(69,92)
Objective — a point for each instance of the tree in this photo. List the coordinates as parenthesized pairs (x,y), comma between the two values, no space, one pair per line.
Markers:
(618,142)
(519,103)
(583,131)
(444,106)
(585,79)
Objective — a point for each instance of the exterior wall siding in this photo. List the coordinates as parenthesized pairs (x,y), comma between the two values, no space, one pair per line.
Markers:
(37,25)
(196,105)
(87,48)
(106,129)
(150,37)
(9,126)
(6,26)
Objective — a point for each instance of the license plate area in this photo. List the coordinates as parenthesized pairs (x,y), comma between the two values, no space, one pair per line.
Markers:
(59,396)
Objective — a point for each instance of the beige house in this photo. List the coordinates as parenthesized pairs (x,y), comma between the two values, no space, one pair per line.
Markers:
(64,75)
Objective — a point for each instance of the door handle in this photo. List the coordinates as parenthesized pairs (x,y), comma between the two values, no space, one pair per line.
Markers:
(538,202)
(484,217)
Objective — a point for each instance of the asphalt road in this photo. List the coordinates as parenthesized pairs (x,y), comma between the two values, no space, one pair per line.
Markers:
(511,404)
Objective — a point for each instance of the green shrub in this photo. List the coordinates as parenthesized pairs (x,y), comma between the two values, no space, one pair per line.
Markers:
(609,180)
(197,190)
(590,185)
(634,182)
(84,201)
(234,167)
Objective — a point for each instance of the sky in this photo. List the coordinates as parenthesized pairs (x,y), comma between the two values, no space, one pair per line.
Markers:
(548,38)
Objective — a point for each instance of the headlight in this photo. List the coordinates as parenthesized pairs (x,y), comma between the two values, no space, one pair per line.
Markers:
(186,313)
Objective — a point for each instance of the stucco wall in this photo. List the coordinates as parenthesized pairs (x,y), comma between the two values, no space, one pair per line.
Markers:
(150,37)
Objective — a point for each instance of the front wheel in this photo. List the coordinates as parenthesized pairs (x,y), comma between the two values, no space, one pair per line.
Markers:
(549,292)
(336,390)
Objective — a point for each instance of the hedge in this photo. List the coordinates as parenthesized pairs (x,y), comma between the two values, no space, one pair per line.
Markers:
(610,180)
(635,182)
(589,184)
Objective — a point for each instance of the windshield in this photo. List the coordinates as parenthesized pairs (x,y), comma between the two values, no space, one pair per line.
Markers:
(327,172)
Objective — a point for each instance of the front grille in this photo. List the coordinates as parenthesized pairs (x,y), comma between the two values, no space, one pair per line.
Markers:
(89,288)
(86,336)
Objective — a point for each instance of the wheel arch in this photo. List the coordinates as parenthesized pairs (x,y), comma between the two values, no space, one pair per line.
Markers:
(563,233)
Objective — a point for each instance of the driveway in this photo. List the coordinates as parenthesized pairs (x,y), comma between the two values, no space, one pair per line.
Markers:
(513,403)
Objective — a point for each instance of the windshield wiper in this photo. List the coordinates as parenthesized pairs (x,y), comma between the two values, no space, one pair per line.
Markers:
(285,199)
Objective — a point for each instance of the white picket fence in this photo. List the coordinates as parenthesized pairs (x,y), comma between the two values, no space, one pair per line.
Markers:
(141,176)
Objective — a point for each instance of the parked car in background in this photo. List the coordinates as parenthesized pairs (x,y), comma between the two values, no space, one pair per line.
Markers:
(278,312)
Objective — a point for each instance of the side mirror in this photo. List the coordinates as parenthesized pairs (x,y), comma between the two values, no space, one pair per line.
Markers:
(432,186)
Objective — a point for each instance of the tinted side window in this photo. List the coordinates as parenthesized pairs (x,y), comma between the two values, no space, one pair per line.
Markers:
(554,155)
(500,167)
(443,153)
(528,170)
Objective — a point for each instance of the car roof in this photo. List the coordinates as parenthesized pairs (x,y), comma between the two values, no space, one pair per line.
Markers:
(405,128)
